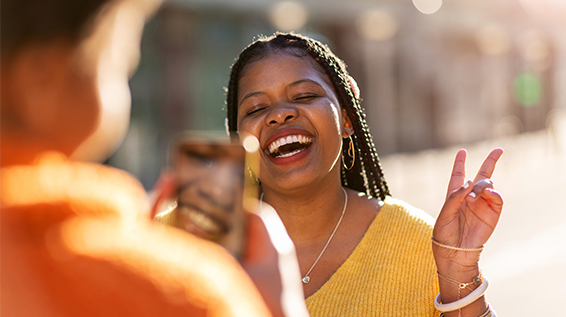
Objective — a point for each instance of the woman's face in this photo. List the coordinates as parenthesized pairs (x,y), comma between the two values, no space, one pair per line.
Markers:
(290,105)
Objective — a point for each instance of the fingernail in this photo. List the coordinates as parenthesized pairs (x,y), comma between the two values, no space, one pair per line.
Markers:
(472,194)
(467,184)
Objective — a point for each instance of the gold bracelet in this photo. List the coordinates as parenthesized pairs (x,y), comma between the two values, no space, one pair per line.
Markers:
(476,281)
(455,248)
(488,312)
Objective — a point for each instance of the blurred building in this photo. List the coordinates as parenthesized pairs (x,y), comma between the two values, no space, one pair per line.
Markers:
(431,74)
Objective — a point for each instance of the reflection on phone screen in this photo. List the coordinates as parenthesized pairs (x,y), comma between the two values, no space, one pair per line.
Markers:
(210,188)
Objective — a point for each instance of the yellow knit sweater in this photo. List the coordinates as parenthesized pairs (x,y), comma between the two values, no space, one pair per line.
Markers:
(390,273)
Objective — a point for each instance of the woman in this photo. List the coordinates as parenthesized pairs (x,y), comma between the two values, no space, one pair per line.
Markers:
(361,253)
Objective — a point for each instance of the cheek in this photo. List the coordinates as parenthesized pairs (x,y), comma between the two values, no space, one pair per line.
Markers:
(328,115)
(249,126)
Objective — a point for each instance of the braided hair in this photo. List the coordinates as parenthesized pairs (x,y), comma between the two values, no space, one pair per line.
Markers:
(365,176)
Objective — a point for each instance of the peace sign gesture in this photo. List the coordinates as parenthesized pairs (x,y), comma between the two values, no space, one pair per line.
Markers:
(470,214)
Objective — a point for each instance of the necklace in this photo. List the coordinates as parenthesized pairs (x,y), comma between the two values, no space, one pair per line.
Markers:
(307,278)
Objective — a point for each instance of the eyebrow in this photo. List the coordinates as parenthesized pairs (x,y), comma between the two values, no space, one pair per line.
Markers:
(252,94)
(293,84)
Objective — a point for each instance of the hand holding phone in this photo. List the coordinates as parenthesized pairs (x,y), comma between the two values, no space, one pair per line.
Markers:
(209,185)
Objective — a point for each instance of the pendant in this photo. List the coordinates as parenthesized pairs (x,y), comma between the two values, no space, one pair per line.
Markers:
(306,279)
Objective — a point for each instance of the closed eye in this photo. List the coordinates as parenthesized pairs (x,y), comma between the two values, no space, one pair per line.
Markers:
(255,110)
(306,97)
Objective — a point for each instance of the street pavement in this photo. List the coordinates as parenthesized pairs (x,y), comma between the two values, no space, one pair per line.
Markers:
(525,259)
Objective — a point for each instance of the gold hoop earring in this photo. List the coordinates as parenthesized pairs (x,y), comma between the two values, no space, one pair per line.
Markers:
(351,153)
(251,176)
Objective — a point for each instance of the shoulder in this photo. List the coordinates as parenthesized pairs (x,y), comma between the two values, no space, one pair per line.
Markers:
(100,190)
(402,228)
(403,215)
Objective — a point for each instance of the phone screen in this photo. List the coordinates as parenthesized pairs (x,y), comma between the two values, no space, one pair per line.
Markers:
(210,190)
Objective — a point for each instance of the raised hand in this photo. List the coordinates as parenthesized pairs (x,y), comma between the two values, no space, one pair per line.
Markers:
(469,215)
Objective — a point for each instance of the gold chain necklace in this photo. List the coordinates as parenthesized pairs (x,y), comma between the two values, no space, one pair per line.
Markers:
(307,278)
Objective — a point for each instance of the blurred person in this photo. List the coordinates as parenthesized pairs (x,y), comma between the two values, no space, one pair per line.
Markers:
(75,238)
(360,252)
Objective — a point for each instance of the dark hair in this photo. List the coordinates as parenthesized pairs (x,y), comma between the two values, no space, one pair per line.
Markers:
(366,175)
(25,21)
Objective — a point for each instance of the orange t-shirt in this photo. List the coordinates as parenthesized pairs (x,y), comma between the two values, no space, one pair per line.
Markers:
(74,243)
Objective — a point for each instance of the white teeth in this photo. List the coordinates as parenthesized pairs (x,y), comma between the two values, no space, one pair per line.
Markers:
(202,221)
(290,153)
(275,145)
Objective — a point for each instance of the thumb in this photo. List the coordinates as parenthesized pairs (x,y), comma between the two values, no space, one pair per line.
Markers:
(258,244)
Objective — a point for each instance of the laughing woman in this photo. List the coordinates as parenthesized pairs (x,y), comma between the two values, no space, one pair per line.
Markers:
(361,252)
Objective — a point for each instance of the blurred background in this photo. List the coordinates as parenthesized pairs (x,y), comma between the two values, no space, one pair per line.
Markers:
(434,76)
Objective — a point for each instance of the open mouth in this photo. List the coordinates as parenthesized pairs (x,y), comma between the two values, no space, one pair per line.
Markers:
(203,221)
(289,145)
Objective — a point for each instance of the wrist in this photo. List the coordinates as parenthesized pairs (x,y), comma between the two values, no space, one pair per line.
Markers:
(456,269)
(458,257)
(456,261)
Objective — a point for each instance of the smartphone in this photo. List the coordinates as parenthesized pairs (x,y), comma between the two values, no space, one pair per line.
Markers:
(210,175)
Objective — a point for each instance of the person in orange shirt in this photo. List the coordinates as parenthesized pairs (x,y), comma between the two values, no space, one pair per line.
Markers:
(76,240)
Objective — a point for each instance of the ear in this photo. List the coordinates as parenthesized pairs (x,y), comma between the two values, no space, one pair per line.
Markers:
(348,128)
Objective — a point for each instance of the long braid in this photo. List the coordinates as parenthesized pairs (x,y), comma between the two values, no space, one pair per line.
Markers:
(367,176)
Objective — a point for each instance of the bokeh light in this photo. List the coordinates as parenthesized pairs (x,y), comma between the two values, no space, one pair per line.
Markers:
(528,89)
(536,50)
(250,143)
(377,25)
(288,16)
(427,6)
(509,126)
(493,40)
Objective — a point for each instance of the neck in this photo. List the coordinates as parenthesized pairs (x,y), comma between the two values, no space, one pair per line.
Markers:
(309,215)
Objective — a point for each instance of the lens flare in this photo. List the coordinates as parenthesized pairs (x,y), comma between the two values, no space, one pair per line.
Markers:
(427,6)
(377,25)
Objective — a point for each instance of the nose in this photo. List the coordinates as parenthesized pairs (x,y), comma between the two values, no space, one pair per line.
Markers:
(221,185)
(281,113)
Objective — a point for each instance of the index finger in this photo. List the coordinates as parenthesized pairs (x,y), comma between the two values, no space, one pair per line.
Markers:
(458,172)
(488,166)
